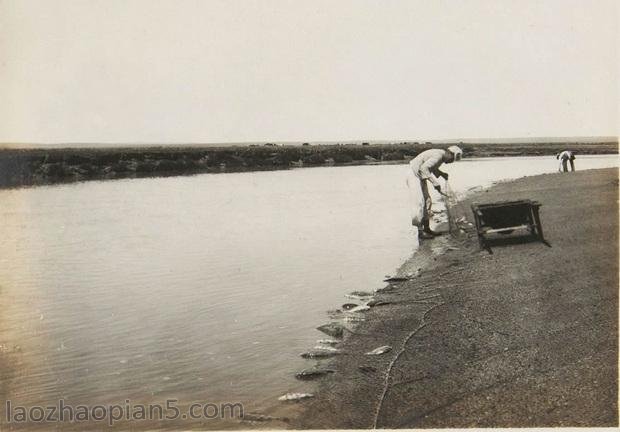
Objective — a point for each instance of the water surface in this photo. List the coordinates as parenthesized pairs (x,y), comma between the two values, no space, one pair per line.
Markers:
(202,288)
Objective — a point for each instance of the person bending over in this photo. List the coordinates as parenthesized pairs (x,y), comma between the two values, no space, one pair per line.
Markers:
(424,170)
(565,157)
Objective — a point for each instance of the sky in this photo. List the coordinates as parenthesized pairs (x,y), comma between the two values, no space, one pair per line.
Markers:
(183,71)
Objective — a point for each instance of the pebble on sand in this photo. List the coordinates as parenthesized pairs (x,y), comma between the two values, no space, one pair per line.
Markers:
(309,374)
(374,302)
(360,308)
(395,279)
(325,348)
(320,353)
(381,350)
(332,329)
(294,397)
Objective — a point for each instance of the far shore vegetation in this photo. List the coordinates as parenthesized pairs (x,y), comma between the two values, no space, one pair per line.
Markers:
(38,166)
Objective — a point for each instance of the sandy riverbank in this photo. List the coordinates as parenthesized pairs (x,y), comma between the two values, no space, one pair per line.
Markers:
(526,336)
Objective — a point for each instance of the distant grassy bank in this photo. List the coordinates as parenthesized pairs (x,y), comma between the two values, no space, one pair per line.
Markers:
(24,167)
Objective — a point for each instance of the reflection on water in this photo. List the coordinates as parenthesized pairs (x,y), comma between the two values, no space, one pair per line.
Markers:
(202,288)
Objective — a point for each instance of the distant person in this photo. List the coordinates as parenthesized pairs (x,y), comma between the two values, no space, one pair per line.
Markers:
(425,169)
(564,157)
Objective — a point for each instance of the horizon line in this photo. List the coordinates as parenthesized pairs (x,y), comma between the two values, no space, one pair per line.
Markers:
(606,138)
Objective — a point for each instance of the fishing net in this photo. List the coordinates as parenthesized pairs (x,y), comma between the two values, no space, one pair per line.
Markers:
(456,212)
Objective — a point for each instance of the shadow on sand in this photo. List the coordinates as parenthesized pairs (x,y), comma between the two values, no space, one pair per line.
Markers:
(510,241)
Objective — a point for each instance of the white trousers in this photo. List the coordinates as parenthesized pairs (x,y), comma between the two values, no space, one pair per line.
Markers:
(420,199)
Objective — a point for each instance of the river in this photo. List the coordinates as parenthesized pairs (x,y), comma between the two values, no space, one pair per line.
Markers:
(201,288)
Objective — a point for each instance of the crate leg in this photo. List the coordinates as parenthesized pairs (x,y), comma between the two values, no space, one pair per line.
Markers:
(532,227)
(483,244)
(539,230)
(478,222)
(481,241)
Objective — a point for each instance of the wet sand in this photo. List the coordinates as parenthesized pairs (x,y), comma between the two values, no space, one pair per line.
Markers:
(526,336)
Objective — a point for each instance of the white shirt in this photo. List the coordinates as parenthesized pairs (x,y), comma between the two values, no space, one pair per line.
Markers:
(426,164)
